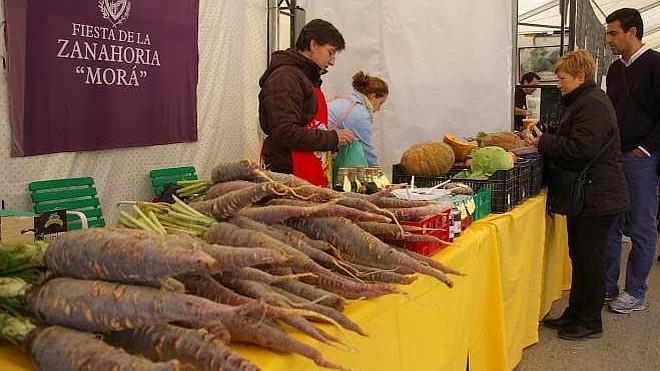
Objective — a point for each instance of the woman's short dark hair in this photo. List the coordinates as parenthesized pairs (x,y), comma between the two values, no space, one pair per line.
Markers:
(323,32)
(629,18)
(528,77)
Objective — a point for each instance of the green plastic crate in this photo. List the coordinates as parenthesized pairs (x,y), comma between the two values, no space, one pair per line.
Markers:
(161,177)
(482,201)
(77,194)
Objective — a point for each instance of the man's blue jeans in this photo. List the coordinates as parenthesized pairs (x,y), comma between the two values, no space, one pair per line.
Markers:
(642,177)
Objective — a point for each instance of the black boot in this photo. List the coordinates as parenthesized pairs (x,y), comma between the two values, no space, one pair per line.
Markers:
(559,323)
(579,331)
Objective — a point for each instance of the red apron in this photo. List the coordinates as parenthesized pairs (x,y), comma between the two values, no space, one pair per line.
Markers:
(313,166)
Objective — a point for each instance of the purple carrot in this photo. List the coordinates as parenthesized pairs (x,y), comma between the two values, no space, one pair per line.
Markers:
(335,210)
(337,316)
(103,306)
(312,293)
(379,275)
(390,202)
(229,204)
(430,262)
(239,170)
(59,348)
(313,253)
(278,213)
(296,238)
(215,328)
(292,285)
(113,256)
(198,348)
(417,213)
(354,241)
(258,290)
(268,335)
(220,189)
(209,288)
(288,179)
(233,235)
(258,234)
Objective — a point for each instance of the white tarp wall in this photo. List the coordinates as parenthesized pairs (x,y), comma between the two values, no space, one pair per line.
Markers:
(232,47)
(448,65)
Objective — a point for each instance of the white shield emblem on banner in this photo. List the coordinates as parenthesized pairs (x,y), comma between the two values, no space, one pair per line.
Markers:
(115,11)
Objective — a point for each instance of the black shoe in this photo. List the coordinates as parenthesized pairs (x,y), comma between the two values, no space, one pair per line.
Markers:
(558,323)
(579,332)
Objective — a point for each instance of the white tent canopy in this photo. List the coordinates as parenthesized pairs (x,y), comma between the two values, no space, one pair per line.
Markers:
(546,12)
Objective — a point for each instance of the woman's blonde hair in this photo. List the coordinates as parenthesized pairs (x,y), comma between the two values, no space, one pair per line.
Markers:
(574,63)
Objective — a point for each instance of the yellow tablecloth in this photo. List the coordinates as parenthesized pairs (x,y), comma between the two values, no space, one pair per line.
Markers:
(516,264)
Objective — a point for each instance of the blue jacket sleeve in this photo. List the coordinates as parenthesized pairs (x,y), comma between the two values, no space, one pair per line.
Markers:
(335,108)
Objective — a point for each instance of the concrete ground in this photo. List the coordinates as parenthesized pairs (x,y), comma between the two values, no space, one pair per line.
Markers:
(630,342)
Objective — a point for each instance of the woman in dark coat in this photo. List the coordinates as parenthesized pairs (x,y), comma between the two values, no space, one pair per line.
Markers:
(588,125)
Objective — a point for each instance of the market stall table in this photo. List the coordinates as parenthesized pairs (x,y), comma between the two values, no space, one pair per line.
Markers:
(516,265)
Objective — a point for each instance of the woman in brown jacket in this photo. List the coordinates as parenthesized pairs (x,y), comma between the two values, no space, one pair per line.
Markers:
(292,108)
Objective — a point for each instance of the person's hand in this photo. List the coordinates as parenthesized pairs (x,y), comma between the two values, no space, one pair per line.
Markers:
(537,136)
(639,153)
(345,137)
(520,112)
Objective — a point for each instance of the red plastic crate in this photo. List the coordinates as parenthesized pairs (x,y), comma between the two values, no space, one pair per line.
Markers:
(439,223)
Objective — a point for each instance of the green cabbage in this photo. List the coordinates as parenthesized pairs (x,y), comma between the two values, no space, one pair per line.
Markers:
(488,160)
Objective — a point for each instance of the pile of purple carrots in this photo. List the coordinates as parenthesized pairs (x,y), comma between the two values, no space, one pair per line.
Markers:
(180,282)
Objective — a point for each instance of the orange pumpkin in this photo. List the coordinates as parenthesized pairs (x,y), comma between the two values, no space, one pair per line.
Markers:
(462,149)
(428,159)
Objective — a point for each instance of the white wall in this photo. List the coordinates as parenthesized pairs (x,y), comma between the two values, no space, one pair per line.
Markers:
(448,64)
(232,46)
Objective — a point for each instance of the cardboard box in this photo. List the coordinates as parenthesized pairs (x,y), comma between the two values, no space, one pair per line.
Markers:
(16,229)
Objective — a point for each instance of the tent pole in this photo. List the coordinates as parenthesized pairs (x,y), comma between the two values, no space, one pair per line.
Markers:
(562,14)
(273,27)
(515,59)
(292,9)
(572,25)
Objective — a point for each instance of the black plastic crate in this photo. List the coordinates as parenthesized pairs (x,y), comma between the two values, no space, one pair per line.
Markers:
(516,194)
(536,174)
(504,185)
(524,179)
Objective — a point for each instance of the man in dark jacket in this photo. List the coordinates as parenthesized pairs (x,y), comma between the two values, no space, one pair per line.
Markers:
(520,109)
(292,108)
(633,84)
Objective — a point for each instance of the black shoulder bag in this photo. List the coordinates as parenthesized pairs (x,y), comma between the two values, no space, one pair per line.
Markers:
(566,187)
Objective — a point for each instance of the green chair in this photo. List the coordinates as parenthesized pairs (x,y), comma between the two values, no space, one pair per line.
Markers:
(161,177)
(76,195)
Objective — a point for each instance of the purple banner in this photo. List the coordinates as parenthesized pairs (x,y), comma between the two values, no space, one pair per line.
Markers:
(101,74)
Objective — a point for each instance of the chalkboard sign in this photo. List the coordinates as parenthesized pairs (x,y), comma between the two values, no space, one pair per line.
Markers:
(551,109)
(589,34)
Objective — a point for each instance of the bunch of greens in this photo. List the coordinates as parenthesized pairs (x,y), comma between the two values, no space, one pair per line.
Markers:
(21,267)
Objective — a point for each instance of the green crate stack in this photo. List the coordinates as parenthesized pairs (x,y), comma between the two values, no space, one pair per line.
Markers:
(482,202)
